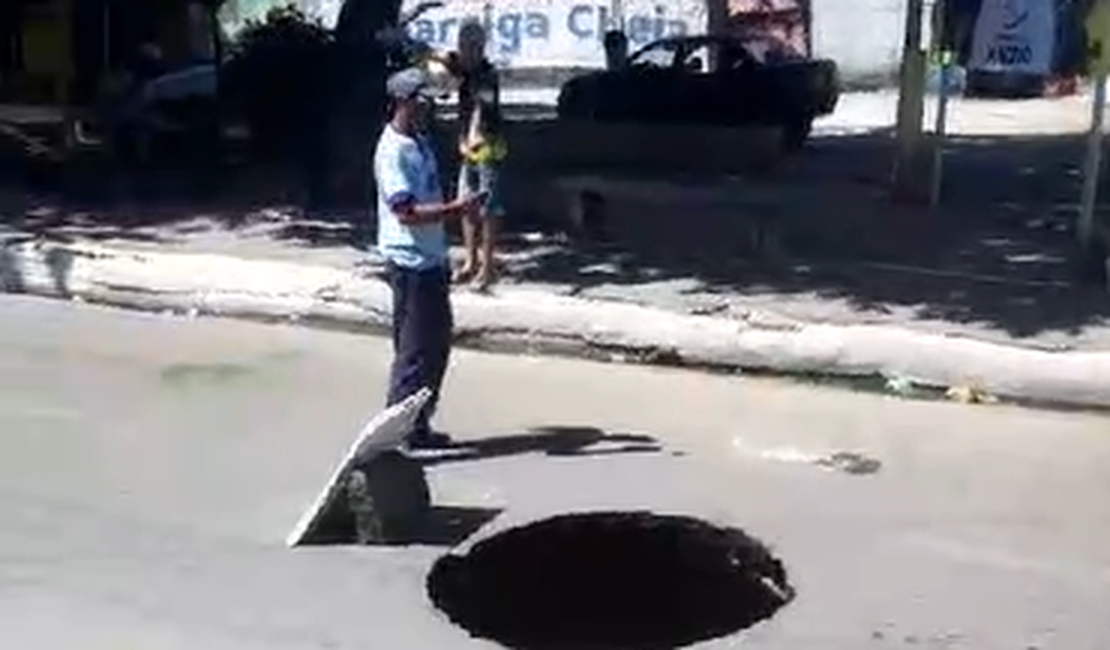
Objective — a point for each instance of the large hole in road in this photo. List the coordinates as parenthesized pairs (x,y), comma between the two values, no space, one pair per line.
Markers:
(612,580)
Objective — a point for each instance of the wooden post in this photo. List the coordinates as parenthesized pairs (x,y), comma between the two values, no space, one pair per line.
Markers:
(807,21)
(912,163)
(1092,245)
(716,23)
(215,34)
(716,16)
(1092,164)
(940,128)
(64,9)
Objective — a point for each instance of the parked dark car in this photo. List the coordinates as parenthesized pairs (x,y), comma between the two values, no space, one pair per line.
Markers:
(712,80)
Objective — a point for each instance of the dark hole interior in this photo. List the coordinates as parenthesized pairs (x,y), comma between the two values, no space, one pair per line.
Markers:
(611,580)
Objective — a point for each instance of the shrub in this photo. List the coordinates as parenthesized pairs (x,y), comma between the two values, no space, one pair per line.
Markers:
(278,75)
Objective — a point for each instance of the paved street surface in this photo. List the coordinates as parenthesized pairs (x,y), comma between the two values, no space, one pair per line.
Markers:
(150,467)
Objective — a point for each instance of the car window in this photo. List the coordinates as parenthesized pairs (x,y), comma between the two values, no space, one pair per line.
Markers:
(700,59)
(768,49)
(737,56)
(656,55)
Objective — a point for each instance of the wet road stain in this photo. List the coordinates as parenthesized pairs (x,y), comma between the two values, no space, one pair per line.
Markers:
(850,463)
(221,373)
(184,373)
(846,462)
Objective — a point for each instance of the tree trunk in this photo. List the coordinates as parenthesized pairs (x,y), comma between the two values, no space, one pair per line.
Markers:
(359,106)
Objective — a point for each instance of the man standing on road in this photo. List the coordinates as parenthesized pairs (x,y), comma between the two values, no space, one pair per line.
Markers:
(413,241)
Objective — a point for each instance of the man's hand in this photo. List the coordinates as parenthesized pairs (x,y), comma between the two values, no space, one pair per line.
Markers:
(468,207)
(469,148)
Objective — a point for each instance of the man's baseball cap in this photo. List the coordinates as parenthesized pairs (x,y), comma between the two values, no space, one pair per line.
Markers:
(410,83)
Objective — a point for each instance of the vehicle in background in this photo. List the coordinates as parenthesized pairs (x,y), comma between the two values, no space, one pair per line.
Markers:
(709,80)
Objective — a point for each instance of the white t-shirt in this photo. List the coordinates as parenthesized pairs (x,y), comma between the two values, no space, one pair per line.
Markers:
(405,170)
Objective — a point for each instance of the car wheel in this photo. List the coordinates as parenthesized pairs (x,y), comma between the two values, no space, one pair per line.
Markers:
(795,133)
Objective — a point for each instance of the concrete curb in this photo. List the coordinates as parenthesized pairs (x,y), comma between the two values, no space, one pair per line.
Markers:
(521,319)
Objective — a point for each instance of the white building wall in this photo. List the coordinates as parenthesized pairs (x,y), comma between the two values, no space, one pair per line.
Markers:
(864,37)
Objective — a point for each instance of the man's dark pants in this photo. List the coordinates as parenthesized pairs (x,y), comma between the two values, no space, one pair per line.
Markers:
(422,324)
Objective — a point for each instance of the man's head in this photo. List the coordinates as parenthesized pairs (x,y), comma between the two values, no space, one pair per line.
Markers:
(472,41)
(411,97)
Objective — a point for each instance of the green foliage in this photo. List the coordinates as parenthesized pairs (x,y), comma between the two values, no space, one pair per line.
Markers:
(278,74)
(284,29)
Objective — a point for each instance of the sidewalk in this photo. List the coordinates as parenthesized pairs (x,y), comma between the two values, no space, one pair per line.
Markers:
(860,112)
(252,275)
(977,294)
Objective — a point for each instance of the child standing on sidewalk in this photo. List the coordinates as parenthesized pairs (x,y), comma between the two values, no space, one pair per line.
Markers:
(483,148)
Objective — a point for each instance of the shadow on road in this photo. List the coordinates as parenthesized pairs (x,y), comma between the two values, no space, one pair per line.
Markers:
(452,525)
(444,526)
(550,441)
(254,201)
(997,253)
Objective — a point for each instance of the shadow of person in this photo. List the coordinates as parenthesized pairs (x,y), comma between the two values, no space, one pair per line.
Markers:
(441,526)
(550,441)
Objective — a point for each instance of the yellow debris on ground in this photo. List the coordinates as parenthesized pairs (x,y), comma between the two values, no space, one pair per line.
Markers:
(970,395)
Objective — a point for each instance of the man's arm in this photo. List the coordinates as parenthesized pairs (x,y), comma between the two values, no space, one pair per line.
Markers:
(398,182)
(411,213)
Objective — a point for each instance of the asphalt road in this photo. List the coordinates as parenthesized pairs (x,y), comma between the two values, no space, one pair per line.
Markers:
(150,467)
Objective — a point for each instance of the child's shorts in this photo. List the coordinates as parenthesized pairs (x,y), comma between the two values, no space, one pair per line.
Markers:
(480,177)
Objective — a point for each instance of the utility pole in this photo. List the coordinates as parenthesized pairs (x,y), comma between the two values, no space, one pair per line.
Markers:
(912,164)
(716,16)
(1092,247)
(944,57)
